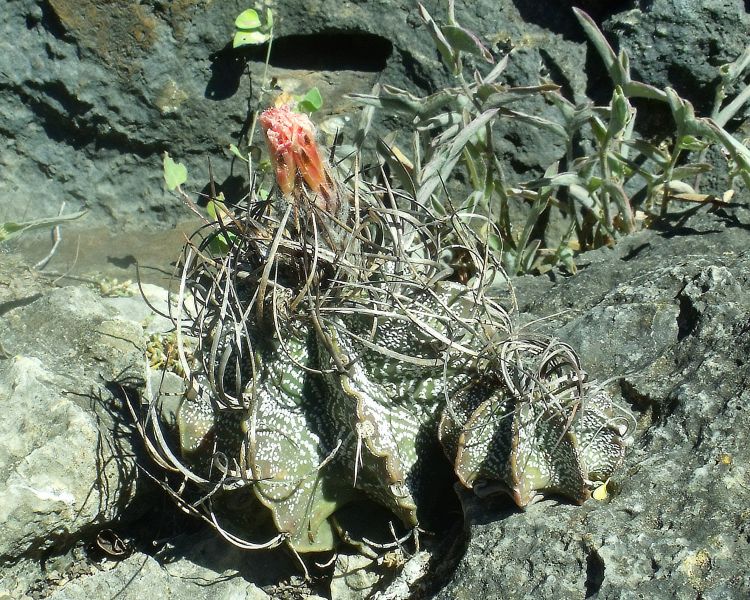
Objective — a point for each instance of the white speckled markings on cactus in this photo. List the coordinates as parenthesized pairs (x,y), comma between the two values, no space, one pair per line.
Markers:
(334,349)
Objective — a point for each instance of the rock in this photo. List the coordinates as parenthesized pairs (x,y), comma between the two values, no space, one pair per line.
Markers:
(75,333)
(681,43)
(67,459)
(354,577)
(56,472)
(412,573)
(393,576)
(184,566)
(666,316)
(92,93)
(142,576)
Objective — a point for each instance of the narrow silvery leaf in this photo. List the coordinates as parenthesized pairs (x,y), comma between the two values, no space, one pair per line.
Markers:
(564,179)
(365,120)
(448,162)
(649,151)
(10,229)
(623,203)
(497,70)
(498,95)
(602,45)
(464,40)
(733,70)
(537,122)
(443,46)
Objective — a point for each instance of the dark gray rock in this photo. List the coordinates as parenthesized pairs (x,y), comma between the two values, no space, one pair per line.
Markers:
(92,93)
(681,43)
(666,314)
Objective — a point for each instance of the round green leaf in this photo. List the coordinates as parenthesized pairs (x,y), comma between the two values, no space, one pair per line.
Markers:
(311,101)
(247,19)
(175,174)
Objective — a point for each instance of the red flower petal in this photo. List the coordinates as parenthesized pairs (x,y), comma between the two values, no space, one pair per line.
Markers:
(291,143)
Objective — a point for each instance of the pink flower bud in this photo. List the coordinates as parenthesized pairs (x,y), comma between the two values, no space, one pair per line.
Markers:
(290,137)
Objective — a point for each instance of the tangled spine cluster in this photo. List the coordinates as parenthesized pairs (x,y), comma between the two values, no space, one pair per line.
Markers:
(339,345)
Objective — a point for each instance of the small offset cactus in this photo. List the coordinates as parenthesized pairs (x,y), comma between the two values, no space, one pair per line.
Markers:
(336,353)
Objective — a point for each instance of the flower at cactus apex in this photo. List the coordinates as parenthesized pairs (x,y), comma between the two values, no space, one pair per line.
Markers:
(295,155)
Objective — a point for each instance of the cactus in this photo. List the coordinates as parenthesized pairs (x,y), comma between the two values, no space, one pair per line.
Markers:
(337,348)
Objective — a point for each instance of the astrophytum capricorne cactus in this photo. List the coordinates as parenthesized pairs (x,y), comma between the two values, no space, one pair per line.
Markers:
(333,353)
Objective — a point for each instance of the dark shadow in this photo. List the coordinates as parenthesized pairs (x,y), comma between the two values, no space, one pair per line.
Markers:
(635,252)
(120,496)
(679,224)
(599,85)
(675,224)
(660,407)
(342,51)
(227,67)
(681,231)
(68,120)
(556,74)
(681,77)
(234,188)
(122,262)
(51,22)
(559,18)
(601,11)
(687,319)
(18,303)
(731,220)
(438,508)
(594,573)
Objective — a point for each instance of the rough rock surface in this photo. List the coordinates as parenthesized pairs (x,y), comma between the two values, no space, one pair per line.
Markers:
(78,519)
(65,462)
(695,36)
(211,571)
(53,482)
(141,576)
(667,315)
(185,566)
(92,93)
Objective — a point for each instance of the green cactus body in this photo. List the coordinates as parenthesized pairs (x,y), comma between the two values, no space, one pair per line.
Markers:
(334,359)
